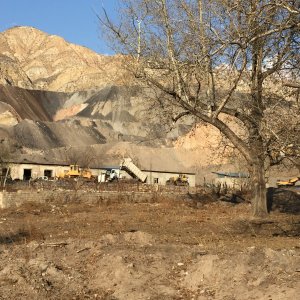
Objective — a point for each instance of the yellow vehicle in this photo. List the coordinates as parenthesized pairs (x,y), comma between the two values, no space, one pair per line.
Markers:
(181,180)
(287,183)
(75,171)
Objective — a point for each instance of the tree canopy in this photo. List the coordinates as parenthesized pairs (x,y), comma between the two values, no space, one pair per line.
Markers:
(218,58)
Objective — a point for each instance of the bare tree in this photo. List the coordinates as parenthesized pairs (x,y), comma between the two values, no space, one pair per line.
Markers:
(82,157)
(5,155)
(220,60)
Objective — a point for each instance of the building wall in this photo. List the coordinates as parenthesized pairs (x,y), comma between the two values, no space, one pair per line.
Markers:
(162,177)
(17,170)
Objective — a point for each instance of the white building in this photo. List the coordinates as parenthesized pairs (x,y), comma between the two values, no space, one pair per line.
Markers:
(23,169)
(161,177)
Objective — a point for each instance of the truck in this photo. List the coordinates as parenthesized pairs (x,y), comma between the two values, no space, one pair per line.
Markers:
(128,165)
(114,174)
(110,175)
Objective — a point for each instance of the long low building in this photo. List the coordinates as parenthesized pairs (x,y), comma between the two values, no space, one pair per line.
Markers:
(161,177)
(23,169)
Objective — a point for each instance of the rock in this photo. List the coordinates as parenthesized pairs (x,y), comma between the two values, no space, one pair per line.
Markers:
(57,65)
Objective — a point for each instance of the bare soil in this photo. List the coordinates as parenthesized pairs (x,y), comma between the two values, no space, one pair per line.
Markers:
(163,250)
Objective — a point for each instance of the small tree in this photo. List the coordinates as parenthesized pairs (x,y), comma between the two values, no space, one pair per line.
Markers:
(220,60)
(4,162)
(83,157)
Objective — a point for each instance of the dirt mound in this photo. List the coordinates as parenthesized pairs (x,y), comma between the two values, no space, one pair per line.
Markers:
(146,157)
(117,113)
(26,104)
(48,135)
(252,274)
(162,250)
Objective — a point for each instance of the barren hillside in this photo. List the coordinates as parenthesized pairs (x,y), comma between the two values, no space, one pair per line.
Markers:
(31,58)
(30,104)
(72,96)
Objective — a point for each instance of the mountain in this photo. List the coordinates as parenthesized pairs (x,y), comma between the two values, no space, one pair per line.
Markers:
(33,59)
(55,95)
(48,79)
(112,113)
(11,73)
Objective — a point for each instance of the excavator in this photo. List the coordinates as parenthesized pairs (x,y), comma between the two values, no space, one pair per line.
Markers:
(288,183)
(76,172)
(181,180)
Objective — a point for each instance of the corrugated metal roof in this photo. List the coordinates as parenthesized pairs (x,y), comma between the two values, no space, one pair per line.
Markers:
(232,174)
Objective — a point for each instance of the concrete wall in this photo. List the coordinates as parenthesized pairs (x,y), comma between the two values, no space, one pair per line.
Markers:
(163,177)
(15,199)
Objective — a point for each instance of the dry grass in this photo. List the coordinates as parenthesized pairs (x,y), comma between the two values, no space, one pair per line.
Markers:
(217,225)
(76,236)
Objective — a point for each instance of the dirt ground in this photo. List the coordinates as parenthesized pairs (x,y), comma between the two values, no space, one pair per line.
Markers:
(162,250)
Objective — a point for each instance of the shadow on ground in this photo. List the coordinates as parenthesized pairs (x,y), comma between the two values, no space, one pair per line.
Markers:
(10,238)
(283,200)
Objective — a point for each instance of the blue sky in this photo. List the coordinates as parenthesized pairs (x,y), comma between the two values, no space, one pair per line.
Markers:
(74,20)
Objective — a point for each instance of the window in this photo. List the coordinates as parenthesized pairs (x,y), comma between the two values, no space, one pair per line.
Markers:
(155,180)
(3,172)
(48,173)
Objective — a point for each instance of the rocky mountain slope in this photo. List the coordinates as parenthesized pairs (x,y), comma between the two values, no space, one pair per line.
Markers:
(30,104)
(61,81)
(30,58)
(45,120)
(56,94)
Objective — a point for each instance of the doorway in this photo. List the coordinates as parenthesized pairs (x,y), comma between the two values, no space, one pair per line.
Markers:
(27,174)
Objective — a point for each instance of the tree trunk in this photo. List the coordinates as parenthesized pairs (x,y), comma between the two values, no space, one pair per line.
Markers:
(6,175)
(259,201)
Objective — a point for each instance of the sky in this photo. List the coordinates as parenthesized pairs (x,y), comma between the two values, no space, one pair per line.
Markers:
(73,20)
